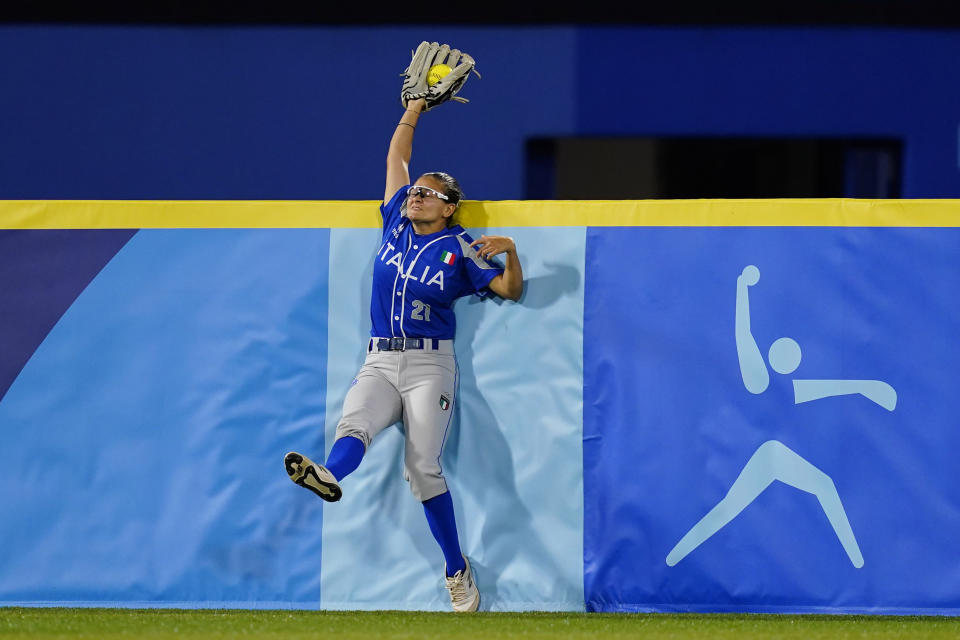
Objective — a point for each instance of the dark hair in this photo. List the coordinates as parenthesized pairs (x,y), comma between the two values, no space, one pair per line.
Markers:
(451,188)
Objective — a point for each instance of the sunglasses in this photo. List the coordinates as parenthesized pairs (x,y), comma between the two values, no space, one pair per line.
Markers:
(425,192)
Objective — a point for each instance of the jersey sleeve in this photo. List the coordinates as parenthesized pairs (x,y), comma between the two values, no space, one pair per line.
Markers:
(479,270)
(392,211)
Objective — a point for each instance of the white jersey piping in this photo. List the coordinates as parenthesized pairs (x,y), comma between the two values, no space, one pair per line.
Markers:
(405,278)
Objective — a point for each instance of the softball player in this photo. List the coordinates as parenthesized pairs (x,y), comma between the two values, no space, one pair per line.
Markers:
(424,263)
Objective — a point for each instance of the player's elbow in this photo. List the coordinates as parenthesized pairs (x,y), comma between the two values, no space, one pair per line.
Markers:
(507,288)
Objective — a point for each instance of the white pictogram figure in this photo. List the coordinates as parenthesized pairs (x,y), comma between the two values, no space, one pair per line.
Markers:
(773,460)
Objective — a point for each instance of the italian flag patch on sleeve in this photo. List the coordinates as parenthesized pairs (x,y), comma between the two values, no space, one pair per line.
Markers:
(447,258)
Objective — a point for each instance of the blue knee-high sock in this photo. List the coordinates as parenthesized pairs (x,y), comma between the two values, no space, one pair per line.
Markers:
(443,526)
(345,457)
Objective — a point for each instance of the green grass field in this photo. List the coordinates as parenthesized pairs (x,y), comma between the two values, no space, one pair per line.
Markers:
(296,625)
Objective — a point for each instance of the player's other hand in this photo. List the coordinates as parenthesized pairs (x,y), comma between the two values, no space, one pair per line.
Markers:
(493,245)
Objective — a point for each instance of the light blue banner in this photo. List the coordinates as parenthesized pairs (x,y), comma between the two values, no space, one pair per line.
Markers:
(142,443)
(513,459)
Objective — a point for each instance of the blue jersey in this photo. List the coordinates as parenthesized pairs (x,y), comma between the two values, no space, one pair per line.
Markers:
(416,279)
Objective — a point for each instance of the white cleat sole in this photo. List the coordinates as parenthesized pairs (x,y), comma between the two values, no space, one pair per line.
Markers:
(309,475)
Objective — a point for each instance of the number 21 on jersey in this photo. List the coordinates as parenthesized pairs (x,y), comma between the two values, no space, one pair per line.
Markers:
(420,311)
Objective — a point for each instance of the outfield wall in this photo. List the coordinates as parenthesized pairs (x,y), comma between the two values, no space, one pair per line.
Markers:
(625,438)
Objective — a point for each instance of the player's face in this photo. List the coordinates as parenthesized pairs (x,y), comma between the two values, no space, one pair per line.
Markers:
(424,205)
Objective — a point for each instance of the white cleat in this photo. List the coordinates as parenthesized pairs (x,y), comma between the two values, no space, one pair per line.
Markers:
(310,475)
(464,595)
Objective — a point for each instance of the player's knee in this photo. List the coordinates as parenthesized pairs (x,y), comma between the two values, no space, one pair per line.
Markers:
(425,482)
(425,488)
(353,430)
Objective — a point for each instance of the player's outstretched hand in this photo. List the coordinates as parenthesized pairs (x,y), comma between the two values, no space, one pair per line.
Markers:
(417,72)
(493,245)
(436,73)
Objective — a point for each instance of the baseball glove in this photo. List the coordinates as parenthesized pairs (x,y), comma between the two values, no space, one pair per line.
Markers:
(427,55)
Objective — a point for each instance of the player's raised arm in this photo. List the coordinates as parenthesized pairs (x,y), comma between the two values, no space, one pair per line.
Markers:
(401,149)
(436,74)
(413,96)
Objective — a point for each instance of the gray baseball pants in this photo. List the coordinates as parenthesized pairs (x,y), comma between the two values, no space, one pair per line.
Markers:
(416,386)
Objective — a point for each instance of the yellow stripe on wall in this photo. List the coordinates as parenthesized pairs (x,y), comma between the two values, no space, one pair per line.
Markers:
(184,214)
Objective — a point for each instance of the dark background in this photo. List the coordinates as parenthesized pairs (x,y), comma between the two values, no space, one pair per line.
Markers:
(292,100)
(917,13)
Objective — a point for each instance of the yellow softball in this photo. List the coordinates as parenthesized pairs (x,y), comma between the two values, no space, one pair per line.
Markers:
(436,73)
